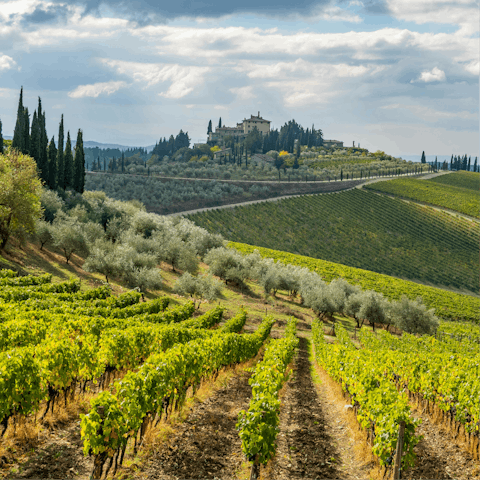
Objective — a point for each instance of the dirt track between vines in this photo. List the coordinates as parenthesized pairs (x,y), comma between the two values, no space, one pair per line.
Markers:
(314,440)
(206,445)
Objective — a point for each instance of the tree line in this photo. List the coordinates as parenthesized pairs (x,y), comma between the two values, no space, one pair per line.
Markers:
(58,166)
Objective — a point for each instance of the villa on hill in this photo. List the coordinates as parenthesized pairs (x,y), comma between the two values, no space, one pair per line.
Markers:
(242,129)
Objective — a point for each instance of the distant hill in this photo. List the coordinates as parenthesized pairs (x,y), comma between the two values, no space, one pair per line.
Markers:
(91,144)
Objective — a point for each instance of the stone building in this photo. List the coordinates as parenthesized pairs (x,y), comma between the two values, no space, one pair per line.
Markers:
(241,130)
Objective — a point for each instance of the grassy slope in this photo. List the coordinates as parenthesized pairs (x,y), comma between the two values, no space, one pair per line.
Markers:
(463,200)
(469,180)
(447,304)
(360,229)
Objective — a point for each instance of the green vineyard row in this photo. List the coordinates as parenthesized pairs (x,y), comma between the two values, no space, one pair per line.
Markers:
(463,200)
(360,229)
(378,405)
(462,179)
(258,427)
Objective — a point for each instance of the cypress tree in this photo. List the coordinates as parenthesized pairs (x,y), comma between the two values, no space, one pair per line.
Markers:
(18,141)
(209,129)
(68,158)
(220,123)
(43,142)
(60,158)
(475,165)
(123,162)
(1,138)
(423,157)
(35,141)
(26,131)
(79,165)
(52,164)
(469,163)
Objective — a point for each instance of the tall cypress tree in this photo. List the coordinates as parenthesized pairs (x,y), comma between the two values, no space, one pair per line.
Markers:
(423,160)
(18,141)
(52,164)
(79,164)
(209,129)
(475,165)
(60,158)
(68,157)
(220,122)
(35,140)
(43,142)
(1,138)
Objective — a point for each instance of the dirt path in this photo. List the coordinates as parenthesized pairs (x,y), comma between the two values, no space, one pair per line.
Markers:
(207,445)
(314,441)
(438,457)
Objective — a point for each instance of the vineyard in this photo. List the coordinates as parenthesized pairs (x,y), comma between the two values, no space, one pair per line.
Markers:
(361,229)
(438,191)
(447,304)
(135,364)
(461,179)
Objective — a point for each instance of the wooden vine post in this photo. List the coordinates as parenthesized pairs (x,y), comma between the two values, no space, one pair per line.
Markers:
(398,455)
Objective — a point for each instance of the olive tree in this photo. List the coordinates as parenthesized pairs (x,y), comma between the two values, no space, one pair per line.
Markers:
(227,264)
(198,287)
(20,191)
(413,317)
(68,235)
(43,232)
(373,308)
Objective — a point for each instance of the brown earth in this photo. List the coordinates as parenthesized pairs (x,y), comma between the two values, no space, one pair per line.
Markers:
(314,442)
(438,457)
(207,444)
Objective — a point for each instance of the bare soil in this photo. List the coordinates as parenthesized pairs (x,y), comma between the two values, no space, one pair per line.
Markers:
(438,457)
(60,457)
(314,442)
(206,445)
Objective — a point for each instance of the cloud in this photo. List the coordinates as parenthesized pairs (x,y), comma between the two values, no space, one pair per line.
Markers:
(96,89)
(435,75)
(473,67)
(243,93)
(154,11)
(46,14)
(183,78)
(464,13)
(431,114)
(7,63)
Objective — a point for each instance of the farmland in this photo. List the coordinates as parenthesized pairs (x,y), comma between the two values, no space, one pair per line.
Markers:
(437,192)
(360,229)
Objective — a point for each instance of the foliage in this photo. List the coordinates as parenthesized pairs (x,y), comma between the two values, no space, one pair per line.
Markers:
(413,317)
(43,232)
(68,235)
(378,405)
(20,192)
(258,426)
(447,304)
(198,287)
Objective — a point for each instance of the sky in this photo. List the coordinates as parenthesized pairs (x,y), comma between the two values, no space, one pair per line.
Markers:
(394,75)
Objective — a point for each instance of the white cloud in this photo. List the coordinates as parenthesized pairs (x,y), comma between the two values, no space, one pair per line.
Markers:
(243,93)
(183,78)
(464,13)
(435,75)
(473,67)
(430,114)
(96,89)
(7,63)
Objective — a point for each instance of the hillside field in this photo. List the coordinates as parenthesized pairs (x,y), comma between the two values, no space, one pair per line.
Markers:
(469,180)
(447,304)
(360,229)
(437,191)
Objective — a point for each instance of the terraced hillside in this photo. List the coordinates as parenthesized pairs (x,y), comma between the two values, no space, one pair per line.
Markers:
(436,192)
(360,229)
